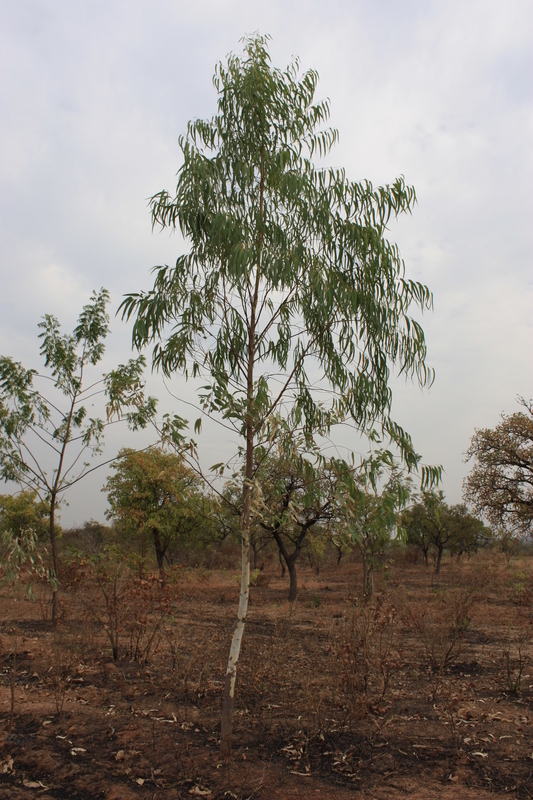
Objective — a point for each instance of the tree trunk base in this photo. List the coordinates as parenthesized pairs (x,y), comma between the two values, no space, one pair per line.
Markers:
(226,727)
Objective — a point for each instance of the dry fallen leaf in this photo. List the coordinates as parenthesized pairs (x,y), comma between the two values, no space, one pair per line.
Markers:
(120,756)
(197,791)
(140,781)
(7,766)
(34,784)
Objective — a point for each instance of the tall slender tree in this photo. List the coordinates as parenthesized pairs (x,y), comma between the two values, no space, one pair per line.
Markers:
(290,285)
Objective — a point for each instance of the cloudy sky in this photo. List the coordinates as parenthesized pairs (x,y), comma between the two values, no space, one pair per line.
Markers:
(94,95)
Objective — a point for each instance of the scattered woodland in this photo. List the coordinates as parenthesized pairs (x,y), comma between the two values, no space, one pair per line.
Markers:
(389,635)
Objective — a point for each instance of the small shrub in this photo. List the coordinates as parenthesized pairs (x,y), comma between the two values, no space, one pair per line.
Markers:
(440,621)
(24,551)
(255,578)
(520,589)
(366,654)
(514,660)
(62,668)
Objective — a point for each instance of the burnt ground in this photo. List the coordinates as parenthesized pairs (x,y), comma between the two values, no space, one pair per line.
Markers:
(423,691)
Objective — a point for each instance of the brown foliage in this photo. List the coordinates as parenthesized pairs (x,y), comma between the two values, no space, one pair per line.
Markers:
(500,485)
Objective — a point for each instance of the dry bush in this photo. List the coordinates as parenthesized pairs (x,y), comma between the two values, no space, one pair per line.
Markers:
(439,620)
(269,665)
(261,578)
(8,660)
(366,653)
(515,658)
(64,656)
(519,586)
(150,607)
(198,657)
(131,610)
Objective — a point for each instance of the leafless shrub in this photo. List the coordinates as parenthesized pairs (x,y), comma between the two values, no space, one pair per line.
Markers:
(514,659)
(62,669)
(132,611)
(440,621)
(149,610)
(267,664)
(366,653)
(12,683)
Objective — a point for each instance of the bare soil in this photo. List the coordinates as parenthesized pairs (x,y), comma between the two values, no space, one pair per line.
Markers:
(424,690)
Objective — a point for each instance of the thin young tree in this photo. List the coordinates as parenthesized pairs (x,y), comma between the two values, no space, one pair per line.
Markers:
(45,433)
(289,285)
(369,516)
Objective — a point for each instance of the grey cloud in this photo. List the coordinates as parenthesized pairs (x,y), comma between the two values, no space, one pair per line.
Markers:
(95,94)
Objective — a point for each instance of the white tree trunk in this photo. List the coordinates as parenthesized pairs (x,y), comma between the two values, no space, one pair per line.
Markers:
(235,649)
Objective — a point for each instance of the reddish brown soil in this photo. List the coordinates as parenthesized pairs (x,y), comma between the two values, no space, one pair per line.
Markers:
(414,693)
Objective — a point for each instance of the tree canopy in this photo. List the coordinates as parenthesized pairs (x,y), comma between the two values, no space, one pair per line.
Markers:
(434,526)
(21,512)
(289,287)
(500,485)
(153,494)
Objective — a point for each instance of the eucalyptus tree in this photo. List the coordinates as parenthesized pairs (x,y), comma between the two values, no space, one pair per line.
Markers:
(289,285)
(46,433)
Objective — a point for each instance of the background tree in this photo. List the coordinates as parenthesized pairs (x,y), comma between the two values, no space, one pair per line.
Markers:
(500,485)
(470,533)
(434,526)
(418,532)
(23,525)
(288,270)
(21,512)
(154,495)
(369,517)
(509,542)
(295,490)
(43,443)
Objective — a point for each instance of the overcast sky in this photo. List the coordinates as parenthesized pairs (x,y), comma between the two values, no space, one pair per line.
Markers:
(95,93)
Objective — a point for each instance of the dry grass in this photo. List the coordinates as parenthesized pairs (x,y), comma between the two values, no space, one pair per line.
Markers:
(406,688)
